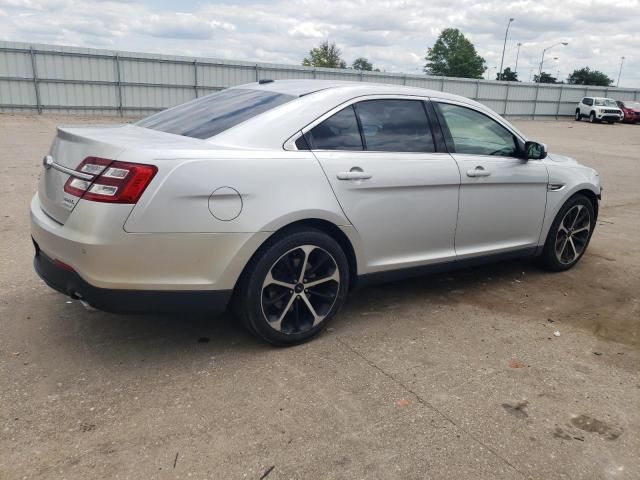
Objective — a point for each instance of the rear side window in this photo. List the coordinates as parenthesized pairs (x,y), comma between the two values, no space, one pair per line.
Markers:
(395,126)
(338,132)
(208,116)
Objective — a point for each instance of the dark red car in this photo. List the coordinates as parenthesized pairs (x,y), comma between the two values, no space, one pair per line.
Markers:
(630,109)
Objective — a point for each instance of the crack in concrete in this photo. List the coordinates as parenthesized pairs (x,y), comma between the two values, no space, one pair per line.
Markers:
(427,404)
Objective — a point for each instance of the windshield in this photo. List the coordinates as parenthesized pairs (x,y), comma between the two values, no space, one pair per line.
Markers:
(208,116)
(605,102)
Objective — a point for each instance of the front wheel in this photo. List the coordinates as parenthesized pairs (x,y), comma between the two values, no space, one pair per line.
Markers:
(293,287)
(569,234)
(592,118)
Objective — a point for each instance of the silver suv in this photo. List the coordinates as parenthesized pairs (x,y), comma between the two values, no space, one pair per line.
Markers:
(598,109)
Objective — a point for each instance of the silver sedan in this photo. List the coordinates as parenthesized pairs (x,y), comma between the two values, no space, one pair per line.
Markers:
(278,197)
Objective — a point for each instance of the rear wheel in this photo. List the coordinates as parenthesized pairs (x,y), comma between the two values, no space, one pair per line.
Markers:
(578,117)
(569,234)
(293,287)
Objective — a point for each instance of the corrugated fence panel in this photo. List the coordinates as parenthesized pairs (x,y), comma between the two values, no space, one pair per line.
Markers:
(90,81)
(75,68)
(15,64)
(69,95)
(223,76)
(161,73)
(17,93)
(154,97)
(466,89)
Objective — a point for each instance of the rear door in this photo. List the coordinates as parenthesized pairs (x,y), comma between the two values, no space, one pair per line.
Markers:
(502,195)
(396,188)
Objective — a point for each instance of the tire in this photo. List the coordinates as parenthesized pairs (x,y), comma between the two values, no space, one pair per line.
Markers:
(560,253)
(592,118)
(578,117)
(280,305)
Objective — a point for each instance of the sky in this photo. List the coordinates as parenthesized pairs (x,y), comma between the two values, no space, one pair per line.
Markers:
(393,34)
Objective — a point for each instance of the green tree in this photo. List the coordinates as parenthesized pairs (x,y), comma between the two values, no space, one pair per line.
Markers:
(362,63)
(508,75)
(586,76)
(545,78)
(454,56)
(326,55)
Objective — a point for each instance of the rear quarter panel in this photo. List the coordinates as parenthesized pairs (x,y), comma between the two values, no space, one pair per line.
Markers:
(275,188)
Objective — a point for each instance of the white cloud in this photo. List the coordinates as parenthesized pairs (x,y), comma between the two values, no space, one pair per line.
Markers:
(308,30)
(393,34)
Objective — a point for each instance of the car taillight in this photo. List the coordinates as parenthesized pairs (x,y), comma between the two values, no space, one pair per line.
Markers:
(112,182)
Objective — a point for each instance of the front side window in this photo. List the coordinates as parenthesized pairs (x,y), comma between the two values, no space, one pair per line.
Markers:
(338,132)
(474,133)
(588,101)
(208,116)
(395,126)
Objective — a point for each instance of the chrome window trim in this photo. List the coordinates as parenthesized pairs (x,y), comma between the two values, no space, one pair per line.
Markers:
(348,103)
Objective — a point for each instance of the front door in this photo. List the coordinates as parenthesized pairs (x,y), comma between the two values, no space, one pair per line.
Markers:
(502,195)
(397,191)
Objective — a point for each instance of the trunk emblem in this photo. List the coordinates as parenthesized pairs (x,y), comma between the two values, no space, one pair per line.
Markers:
(47,161)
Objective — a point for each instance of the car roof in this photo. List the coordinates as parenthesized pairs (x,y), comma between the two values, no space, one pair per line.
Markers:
(315,98)
(305,87)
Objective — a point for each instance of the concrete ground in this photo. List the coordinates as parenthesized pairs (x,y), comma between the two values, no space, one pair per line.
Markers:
(453,376)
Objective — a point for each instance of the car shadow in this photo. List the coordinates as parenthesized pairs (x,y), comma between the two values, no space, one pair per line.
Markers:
(126,339)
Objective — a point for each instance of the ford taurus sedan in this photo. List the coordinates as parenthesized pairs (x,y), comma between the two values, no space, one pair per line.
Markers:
(278,197)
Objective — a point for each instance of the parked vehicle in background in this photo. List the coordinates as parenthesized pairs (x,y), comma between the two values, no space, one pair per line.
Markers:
(278,197)
(630,110)
(598,109)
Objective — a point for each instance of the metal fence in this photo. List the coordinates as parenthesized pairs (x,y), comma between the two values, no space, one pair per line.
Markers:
(56,79)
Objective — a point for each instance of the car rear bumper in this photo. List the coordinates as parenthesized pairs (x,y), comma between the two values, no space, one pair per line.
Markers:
(94,243)
(70,283)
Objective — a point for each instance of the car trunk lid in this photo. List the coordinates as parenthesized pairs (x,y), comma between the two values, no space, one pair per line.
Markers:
(73,144)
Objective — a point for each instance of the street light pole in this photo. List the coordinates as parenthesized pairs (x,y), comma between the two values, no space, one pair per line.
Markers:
(517,56)
(620,72)
(545,51)
(504,46)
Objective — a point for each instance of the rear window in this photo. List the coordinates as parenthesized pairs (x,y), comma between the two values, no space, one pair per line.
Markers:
(208,116)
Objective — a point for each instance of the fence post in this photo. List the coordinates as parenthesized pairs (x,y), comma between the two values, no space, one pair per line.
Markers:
(257,73)
(119,84)
(477,90)
(195,76)
(559,101)
(404,80)
(36,86)
(314,73)
(506,99)
(442,85)
(535,102)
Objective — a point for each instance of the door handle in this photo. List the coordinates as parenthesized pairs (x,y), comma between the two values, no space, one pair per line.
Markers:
(354,174)
(479,171)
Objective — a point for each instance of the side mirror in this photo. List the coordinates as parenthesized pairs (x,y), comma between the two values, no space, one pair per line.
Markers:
(535,150)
